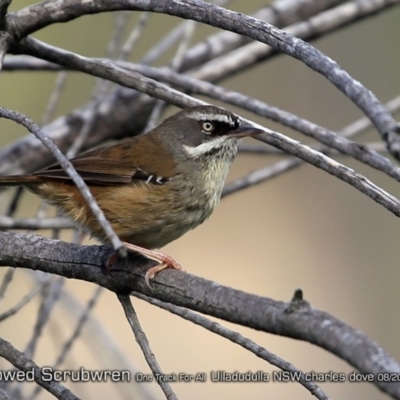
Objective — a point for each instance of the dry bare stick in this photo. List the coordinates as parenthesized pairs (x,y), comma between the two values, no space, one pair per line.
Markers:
(35,223)
(255,149)
(5,396)
(75,335)
(99,338)
(174,66)
(25,300)
(333,167)
(50,293)
(7,279)
(175,34)
(142,341)
(251,148)
(280,13)
(101,86)
(263,174)
(121,20)
(21,362)
(54,98)
(316,26)
(237,338)
(166,43)
(134,36)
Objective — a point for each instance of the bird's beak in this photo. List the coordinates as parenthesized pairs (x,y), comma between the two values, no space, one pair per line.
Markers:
(245,131)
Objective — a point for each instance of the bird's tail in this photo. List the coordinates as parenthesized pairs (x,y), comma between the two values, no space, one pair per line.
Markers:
(17,180)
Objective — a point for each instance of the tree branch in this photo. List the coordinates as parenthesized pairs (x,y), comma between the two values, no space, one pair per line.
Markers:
(144,344)
(127,111)
(40,15)
(109,70)
(296,320)
(19,361)
(237,338)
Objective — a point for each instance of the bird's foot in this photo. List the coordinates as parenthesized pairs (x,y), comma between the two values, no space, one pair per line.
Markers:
(164,261)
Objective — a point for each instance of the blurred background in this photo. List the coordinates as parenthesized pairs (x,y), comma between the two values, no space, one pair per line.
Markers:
(304,229)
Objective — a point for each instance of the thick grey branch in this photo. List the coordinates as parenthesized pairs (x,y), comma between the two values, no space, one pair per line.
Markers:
(296,320)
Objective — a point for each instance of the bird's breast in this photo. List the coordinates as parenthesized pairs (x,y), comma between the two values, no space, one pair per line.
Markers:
(204,187)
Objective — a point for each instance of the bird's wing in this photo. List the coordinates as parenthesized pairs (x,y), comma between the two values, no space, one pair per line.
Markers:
(123,163)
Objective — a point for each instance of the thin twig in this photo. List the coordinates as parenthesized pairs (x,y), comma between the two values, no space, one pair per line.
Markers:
(237,338)
(102,86)
(142,341)
(70,170)
(13,204)
(54,98)
(50,291)
(105,347)
(175,66)
(23,363)
(35,223)
(121,20)
(271,171)
(79,326)
(25,300)
(279,13)
(73,338)
(7,278)
(134,36)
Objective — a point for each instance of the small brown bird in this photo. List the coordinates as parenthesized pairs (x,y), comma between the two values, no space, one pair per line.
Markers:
(152,188)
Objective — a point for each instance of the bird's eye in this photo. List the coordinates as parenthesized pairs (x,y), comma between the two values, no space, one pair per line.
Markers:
(207,126)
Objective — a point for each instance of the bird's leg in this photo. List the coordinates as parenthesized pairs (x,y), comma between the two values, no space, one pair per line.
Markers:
(164,261)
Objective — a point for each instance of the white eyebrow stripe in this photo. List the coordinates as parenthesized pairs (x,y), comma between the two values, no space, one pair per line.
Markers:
(214,117)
